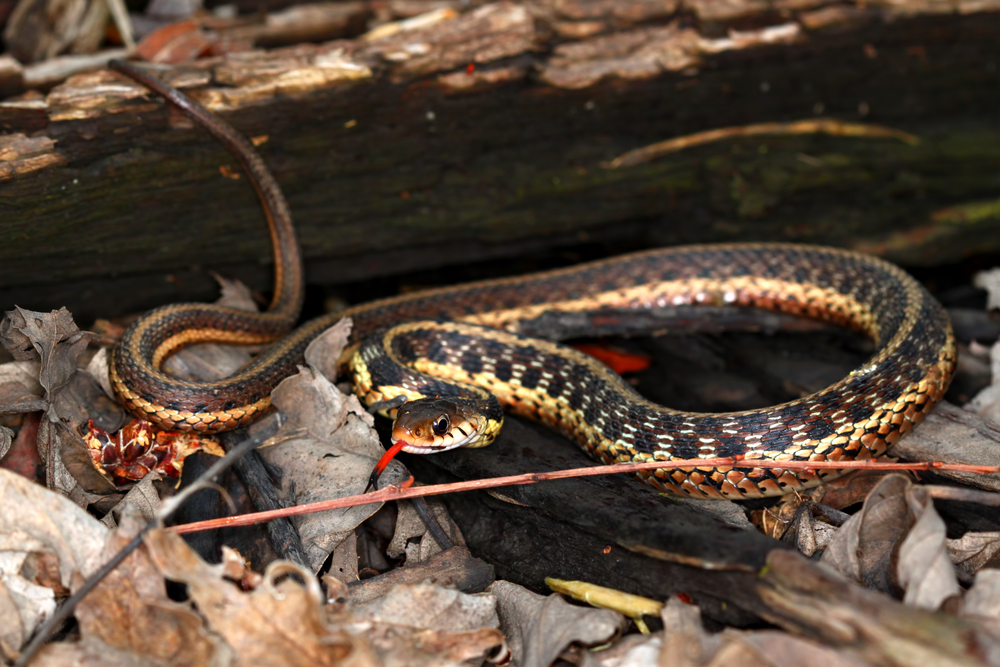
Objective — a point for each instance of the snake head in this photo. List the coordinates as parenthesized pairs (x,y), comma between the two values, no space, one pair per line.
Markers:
(429,425)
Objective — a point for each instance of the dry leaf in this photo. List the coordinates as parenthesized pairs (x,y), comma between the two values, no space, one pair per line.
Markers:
(88,652)
(6,440)
(212,361)
(986,403)
(863,549)
(37,521)
(974,551)
(55,340)
(429,625)
(311,400)
(442,647)
(322,470)
(455,568)
(176,42)
(19,382)
(323,353)
(234,294)
(539,628)
(344,560)
(83,399)
(897,539)
(24,605)
(22,454)
(990,281)
(409,526)
(685,641)
(205,362)
(280,623)
(983,599)
(130,612)
(772,648)
(142,497)
(430,607)
(925,570)
(808,599)
(51,337)
(334,460)
(38,31)
(687,644)
(75,461)
(314,403)
(97,369)
(811,534)
(629,651)
(848,490)
(405,647)
(954,435)
(981,606)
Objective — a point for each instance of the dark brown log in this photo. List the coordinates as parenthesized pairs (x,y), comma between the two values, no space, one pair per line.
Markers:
(489,134)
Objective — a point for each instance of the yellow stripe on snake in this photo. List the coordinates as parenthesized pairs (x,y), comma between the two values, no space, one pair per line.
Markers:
(472,357)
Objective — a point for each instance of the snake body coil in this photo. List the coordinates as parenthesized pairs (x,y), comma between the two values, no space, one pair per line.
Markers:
(858,417)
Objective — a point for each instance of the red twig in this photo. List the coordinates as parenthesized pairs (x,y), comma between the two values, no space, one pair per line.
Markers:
(398,493)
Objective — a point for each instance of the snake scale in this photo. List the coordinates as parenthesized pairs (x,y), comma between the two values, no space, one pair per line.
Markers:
(456,342)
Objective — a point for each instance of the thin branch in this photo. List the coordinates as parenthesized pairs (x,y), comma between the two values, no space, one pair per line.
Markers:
(964,495)
(398,493)
(37,405)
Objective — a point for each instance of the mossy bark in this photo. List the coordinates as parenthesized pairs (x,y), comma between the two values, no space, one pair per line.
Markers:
(489,133)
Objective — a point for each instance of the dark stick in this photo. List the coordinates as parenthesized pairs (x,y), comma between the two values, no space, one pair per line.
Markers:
(37,405)
(284,536)
(431,522)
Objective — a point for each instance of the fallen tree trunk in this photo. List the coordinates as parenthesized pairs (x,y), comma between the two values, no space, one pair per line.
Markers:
(518,128)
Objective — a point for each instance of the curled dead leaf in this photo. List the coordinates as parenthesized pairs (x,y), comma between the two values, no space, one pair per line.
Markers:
(130,612)
(39,524)
(896,541)
(539,628)
(324,352)
(863,549)
(280,623)
(925,570)
(52,338)
(410,527)
(425,624)
(333,460)
(983,599)
(974,551)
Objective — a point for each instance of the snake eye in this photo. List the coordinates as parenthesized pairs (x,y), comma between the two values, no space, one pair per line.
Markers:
(441,425)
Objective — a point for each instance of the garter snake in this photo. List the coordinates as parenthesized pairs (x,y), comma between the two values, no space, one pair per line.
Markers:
(478,344)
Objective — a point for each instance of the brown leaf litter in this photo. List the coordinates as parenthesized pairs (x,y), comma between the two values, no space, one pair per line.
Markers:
(891,585)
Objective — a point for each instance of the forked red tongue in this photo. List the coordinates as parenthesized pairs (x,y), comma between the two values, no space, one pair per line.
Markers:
(383,463)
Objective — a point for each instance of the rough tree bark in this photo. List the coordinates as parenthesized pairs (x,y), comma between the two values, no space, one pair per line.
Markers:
(495,131)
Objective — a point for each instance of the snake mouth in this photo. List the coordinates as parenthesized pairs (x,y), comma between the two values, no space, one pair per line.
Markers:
(416,445)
